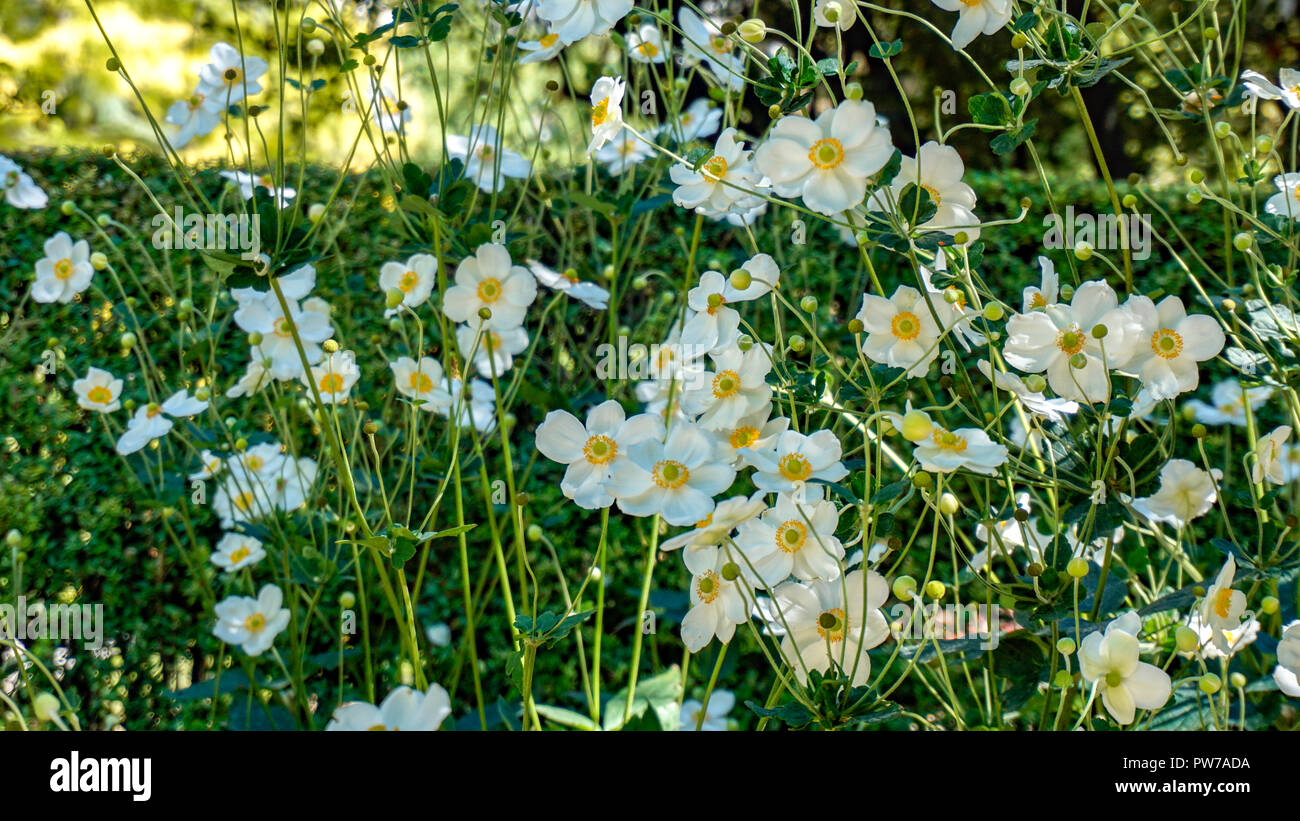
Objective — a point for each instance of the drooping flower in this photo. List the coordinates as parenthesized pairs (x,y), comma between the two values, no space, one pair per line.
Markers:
(676,479)
(414,278)
(1048,292)
(65,270)
(833,624)
(423,381)
(645,44)
(826,161)
(403,709)
(1286,202)
(541,49)
(489,279)
(1054,410)
(715,325)
(593,450)
(1111,661)
(1287,89)
(589,293)
(606,111)
(976,17)
(1270,451)
(1287,672)
(1185,493)
(835,13)
(98,391)
(252,623)
(704,42)
(699,545)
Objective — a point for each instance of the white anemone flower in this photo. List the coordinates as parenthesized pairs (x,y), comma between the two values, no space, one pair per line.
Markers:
(726,183)
(1168,365)
(1186,492)
(151,421)
(792,539)
(829,626)
(943,451)
(938,170)
(194,117)
(704,42)
(901,331)
(573,20)
(487,164)
(1227,403)
(698,120)
(795,459)
(606,111)
(65,270)
(758,431)
(541,49)
(489,279)
(1286,202)
(257,375)
(335,376)
(623,153)
(645,44)
(718,596)
(1234,639)
(1222,608)
(98,391)
(252,623)
(1054,410)
(423,382)
(19,188)
(835,13)
(588,293)
(282,195)
(592,450)
(491,352)
(1047,292)
(1287,89)
(1110,660)
(1048,340)
(715,325)
(677,479)
(826,161)
(236,551)
(414,278)
(1270,453)
(403,709)
(735,388)
(976,17)
(698,544)
(229,76)
(1288,648)
(715,717)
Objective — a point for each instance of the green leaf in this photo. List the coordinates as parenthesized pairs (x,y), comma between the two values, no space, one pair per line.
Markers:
(884,51)
(566,718)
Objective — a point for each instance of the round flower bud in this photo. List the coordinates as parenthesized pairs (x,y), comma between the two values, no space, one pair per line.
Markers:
(1210,34)
(315,47)
(904,588)
(994,312)
(1035,569)
(1067,292)
(485,313)
(1263,144)
(808,304)
(241,443)
(1195,196)
(370,428)
(752,30)
(393,297)
(347,600)
(1210,684)
(1243,241)
(1222,129)
(45,706)
(1237,680)
(330,346)
(594,574)
(961,238)
(744,342)
(922,479)
(1082,251)
(369,60)
(1129,201)
(935,589)
(952,295)
(255,339)
(1099,331)
(1195,176)
(916,426)
(316,210)
(1065,646)
(730,571)
(1035,383)
(113,64)
(640,283)
(534,532)
(740,279)
(774,111)
(1077,567)
(68,208)
(1186,639)
(127,340)
(797,343)
(13,538)
(1198,431)
(853,91)
(1020,87)
(98,261)
(949,504)
(855,326)
(1269,605)
(203,394)
(1019,41)
(102,220)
